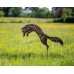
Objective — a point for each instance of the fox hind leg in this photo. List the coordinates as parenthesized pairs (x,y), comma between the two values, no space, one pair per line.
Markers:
(44,41)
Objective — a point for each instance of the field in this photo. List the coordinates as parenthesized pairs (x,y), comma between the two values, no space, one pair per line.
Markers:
(16,50)
(24,20)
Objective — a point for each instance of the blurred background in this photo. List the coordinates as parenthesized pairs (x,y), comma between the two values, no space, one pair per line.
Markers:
(42,14)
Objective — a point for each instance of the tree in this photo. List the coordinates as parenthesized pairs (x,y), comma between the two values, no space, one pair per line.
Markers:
(72,8)
(35,11)
(15,12)
(39,12)
(64,14)
(43,13)
(5,10)
(1,13)
(11,11)
(57,11)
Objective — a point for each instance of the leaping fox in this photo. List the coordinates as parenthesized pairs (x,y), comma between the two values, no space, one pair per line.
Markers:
(43,37)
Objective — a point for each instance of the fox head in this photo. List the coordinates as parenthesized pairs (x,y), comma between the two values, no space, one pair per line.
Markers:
(26,29)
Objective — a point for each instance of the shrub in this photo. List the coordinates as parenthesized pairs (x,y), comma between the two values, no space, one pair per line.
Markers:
(68,20)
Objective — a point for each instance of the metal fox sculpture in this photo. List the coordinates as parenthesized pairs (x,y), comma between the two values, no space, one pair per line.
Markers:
(43,37)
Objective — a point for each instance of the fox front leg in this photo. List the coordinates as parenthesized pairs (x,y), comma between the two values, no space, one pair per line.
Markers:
(28,33)
(23,34)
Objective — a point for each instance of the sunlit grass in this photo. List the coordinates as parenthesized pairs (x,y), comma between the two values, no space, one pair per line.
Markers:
(18,50)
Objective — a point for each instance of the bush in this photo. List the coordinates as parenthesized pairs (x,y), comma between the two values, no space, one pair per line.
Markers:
(68,20)
(58,20)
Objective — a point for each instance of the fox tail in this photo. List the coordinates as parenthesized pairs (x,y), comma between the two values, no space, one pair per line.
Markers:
(56,39)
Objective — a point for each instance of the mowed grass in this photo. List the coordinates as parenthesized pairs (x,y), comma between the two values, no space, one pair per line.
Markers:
(16,50)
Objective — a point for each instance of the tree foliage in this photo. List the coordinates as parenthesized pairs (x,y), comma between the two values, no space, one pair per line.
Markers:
(11,11)
(64,13)
(1,13)
(15,12)
(39,12)
(5,10)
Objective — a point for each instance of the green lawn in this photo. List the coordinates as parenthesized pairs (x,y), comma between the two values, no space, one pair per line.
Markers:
(16,50)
